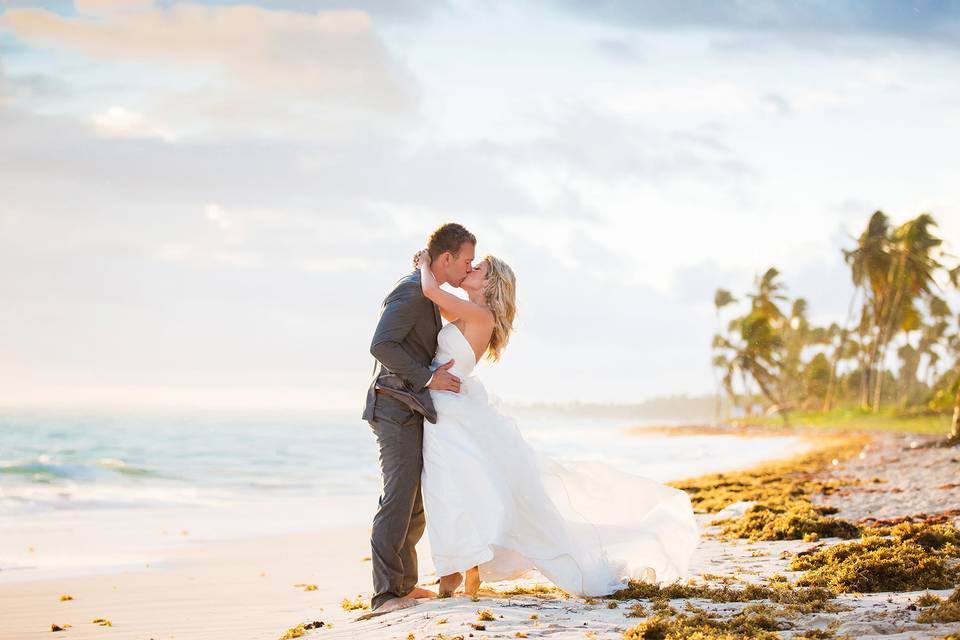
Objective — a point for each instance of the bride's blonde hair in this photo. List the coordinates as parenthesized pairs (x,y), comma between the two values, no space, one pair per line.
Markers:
(500,293)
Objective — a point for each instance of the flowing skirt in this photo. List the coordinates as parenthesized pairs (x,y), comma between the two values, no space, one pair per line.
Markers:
(493,501)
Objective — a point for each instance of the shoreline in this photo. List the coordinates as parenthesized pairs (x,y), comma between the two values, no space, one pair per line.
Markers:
(258,587)
(56,543)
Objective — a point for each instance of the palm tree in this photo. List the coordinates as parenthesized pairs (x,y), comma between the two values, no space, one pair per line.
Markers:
(869,264)
(907,377)
(765,299)
(721,298)
(754,354)
(954,437)
(955,425)
(912,272)
(932,335)
(844,332)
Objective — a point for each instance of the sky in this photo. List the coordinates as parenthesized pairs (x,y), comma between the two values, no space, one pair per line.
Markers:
(204,203)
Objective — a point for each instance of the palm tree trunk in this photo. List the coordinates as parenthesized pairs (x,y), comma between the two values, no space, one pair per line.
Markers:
(747,396)
(887,328)
(828,400)
(868,357)
(863,360)
(955,427)
(765,390)
(878,379)
(867,380)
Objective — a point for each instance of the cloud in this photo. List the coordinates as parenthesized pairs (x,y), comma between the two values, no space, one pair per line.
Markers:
(398,10)
(801,23)
(120,122)
(223,63)
(269,258)
(778,103)
(618,49)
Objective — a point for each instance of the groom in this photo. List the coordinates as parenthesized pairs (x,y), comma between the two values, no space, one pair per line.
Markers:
(404,345)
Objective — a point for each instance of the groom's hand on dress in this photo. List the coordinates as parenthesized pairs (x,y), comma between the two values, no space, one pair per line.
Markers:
(443,380)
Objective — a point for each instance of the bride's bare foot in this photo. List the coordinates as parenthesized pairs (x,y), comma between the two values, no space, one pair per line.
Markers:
(473,581)
(449,584)
(420,592)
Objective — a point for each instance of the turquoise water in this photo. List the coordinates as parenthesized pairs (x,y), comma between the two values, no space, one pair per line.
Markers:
(56,460)
(53,460)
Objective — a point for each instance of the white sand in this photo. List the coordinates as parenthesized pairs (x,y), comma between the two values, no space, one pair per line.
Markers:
(234,589)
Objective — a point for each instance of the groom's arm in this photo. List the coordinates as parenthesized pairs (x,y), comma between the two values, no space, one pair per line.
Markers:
(400,313)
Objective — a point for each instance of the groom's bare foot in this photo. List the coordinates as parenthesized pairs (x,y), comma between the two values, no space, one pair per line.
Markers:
(449,584)
(393,604)
(473,581)
(420,592)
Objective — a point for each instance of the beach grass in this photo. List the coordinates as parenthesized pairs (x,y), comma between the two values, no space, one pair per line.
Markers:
(855,419)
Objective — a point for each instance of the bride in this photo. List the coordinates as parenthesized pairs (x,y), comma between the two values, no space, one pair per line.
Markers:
(496,508)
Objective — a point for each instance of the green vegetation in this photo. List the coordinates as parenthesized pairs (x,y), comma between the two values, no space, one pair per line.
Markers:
(896,356)
(855,419)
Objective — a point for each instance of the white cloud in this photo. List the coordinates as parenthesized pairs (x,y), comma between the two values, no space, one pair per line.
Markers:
(218,216)
(120,122)
(224,68)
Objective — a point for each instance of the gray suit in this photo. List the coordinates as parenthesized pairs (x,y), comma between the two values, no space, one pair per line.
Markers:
(404,343)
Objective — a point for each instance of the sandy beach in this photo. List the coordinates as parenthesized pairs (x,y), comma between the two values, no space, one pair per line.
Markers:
(262,587)
(227,589)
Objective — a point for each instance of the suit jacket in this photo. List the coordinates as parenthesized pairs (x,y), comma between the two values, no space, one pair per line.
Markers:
(404,344)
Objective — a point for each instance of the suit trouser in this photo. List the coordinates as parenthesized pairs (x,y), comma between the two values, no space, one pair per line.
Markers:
(400,521)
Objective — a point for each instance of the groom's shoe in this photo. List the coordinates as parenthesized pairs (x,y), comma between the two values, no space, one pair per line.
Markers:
(449,584)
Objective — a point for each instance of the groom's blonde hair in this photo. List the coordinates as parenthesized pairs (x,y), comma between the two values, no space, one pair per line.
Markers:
(500,293)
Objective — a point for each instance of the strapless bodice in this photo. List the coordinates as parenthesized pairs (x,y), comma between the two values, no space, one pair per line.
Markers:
(453,345)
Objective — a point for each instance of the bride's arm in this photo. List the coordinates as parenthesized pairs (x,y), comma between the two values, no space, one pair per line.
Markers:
(451,307)
(448,317)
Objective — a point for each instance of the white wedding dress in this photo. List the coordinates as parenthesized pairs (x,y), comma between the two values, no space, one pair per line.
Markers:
(492,500)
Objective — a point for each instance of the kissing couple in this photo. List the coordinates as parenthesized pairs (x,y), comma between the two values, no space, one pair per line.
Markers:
(453,464)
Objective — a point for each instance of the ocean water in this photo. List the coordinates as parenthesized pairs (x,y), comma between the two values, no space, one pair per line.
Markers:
(103,490)
(97,460)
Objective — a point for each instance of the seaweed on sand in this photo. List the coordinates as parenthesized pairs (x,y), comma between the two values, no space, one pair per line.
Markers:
(789,519)
(802,600)
(757,622)
(875,564)
(352,605)
(792,478)
(932,537)
(945,611)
